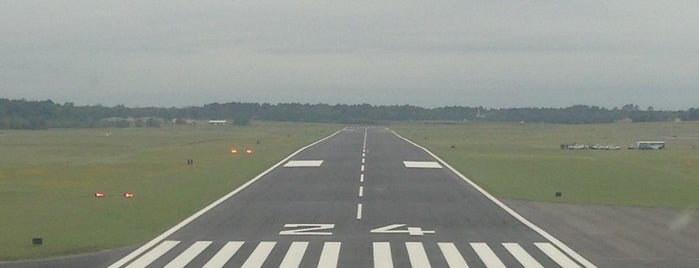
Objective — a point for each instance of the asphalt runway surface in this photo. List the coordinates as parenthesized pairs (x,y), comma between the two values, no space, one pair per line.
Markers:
(363,197)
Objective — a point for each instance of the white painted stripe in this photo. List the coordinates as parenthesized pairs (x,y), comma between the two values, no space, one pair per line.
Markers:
(421,164)
(188,255)
(223,255)
(175,228)
(363,155)
(329,255)
(363,160)
(293,257)
(359,211)
(304,163)
(514,214)
(522,256)
(154,254)
(487,255)
(452,255)
(556,255)
(382,255)
(361,191)
(417,255)
(362,168)
(259,255)
(361,178)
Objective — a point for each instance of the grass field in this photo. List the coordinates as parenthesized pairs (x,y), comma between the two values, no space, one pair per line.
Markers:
(524,161)
(48,179)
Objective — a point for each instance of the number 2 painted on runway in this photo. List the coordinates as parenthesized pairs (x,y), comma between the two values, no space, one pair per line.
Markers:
(307,229)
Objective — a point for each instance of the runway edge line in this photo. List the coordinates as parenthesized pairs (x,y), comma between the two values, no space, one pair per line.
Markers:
(194,216)
(580,259)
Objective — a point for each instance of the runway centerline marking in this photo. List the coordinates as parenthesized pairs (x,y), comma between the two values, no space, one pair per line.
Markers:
(361,178)
(359,211)
(361,191)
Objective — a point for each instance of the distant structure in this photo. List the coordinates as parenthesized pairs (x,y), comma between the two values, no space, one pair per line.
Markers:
(217,122)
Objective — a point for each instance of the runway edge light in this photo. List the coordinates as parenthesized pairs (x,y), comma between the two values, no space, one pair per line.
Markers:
(128,195)
(248,151)
(99,194)
(234,150)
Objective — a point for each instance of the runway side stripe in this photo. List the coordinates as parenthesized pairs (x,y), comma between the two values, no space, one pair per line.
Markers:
(259,255)
(154,254)
(522,256)
(487,255)
(452,255)
(556,255)
(514,214)
(188,255)
(329,255)
(293,257)
(382,255)
(175,228)
(417,255)
(223,255)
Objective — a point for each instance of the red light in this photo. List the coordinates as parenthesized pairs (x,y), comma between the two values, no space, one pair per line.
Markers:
(99,194)
(128,195)
(234,150)
(248,151)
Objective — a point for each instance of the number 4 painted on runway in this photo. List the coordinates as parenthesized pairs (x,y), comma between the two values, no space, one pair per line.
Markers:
(304,229)
(391,229)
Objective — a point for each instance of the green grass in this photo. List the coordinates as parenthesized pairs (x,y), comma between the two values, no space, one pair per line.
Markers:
(48,178)
(524,161)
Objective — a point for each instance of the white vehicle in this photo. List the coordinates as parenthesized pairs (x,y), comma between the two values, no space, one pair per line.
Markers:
(650,145)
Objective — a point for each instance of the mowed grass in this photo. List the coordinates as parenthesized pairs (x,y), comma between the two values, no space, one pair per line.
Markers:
(524,161)
(48,180)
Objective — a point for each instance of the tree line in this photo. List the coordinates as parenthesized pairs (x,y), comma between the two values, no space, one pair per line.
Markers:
(24,114)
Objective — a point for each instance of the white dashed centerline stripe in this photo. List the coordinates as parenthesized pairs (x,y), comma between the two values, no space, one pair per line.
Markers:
(417,255)
(361,191)
(382,255)
(452,255)
(259,255)
(294,255)
(329,255)
(224,255)
(154,254)
(188,255)
(359,211)
(362,168)
(361,178)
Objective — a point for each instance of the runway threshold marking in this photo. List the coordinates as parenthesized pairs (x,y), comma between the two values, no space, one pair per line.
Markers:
(259,255)
(188,255)
(417,255)
(487,255)
(223,255)
(522,256)
(330,252)
(330,255)
(152,255)
(452,255)
(382,255)
(293,257)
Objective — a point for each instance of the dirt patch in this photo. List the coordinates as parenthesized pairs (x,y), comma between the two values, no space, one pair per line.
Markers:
(615,236)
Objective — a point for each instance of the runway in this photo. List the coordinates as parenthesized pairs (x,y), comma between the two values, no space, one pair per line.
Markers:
(363,197)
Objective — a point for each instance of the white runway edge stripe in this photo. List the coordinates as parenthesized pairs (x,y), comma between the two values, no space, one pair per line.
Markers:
(175,228)
(580,259)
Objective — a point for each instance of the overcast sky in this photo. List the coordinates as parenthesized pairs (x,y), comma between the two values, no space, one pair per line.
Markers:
(491,53)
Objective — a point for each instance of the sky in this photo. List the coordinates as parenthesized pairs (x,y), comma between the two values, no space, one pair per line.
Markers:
(490,53)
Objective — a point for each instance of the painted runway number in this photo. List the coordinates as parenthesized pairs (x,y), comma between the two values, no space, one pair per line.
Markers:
(307,229)
(392,229)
